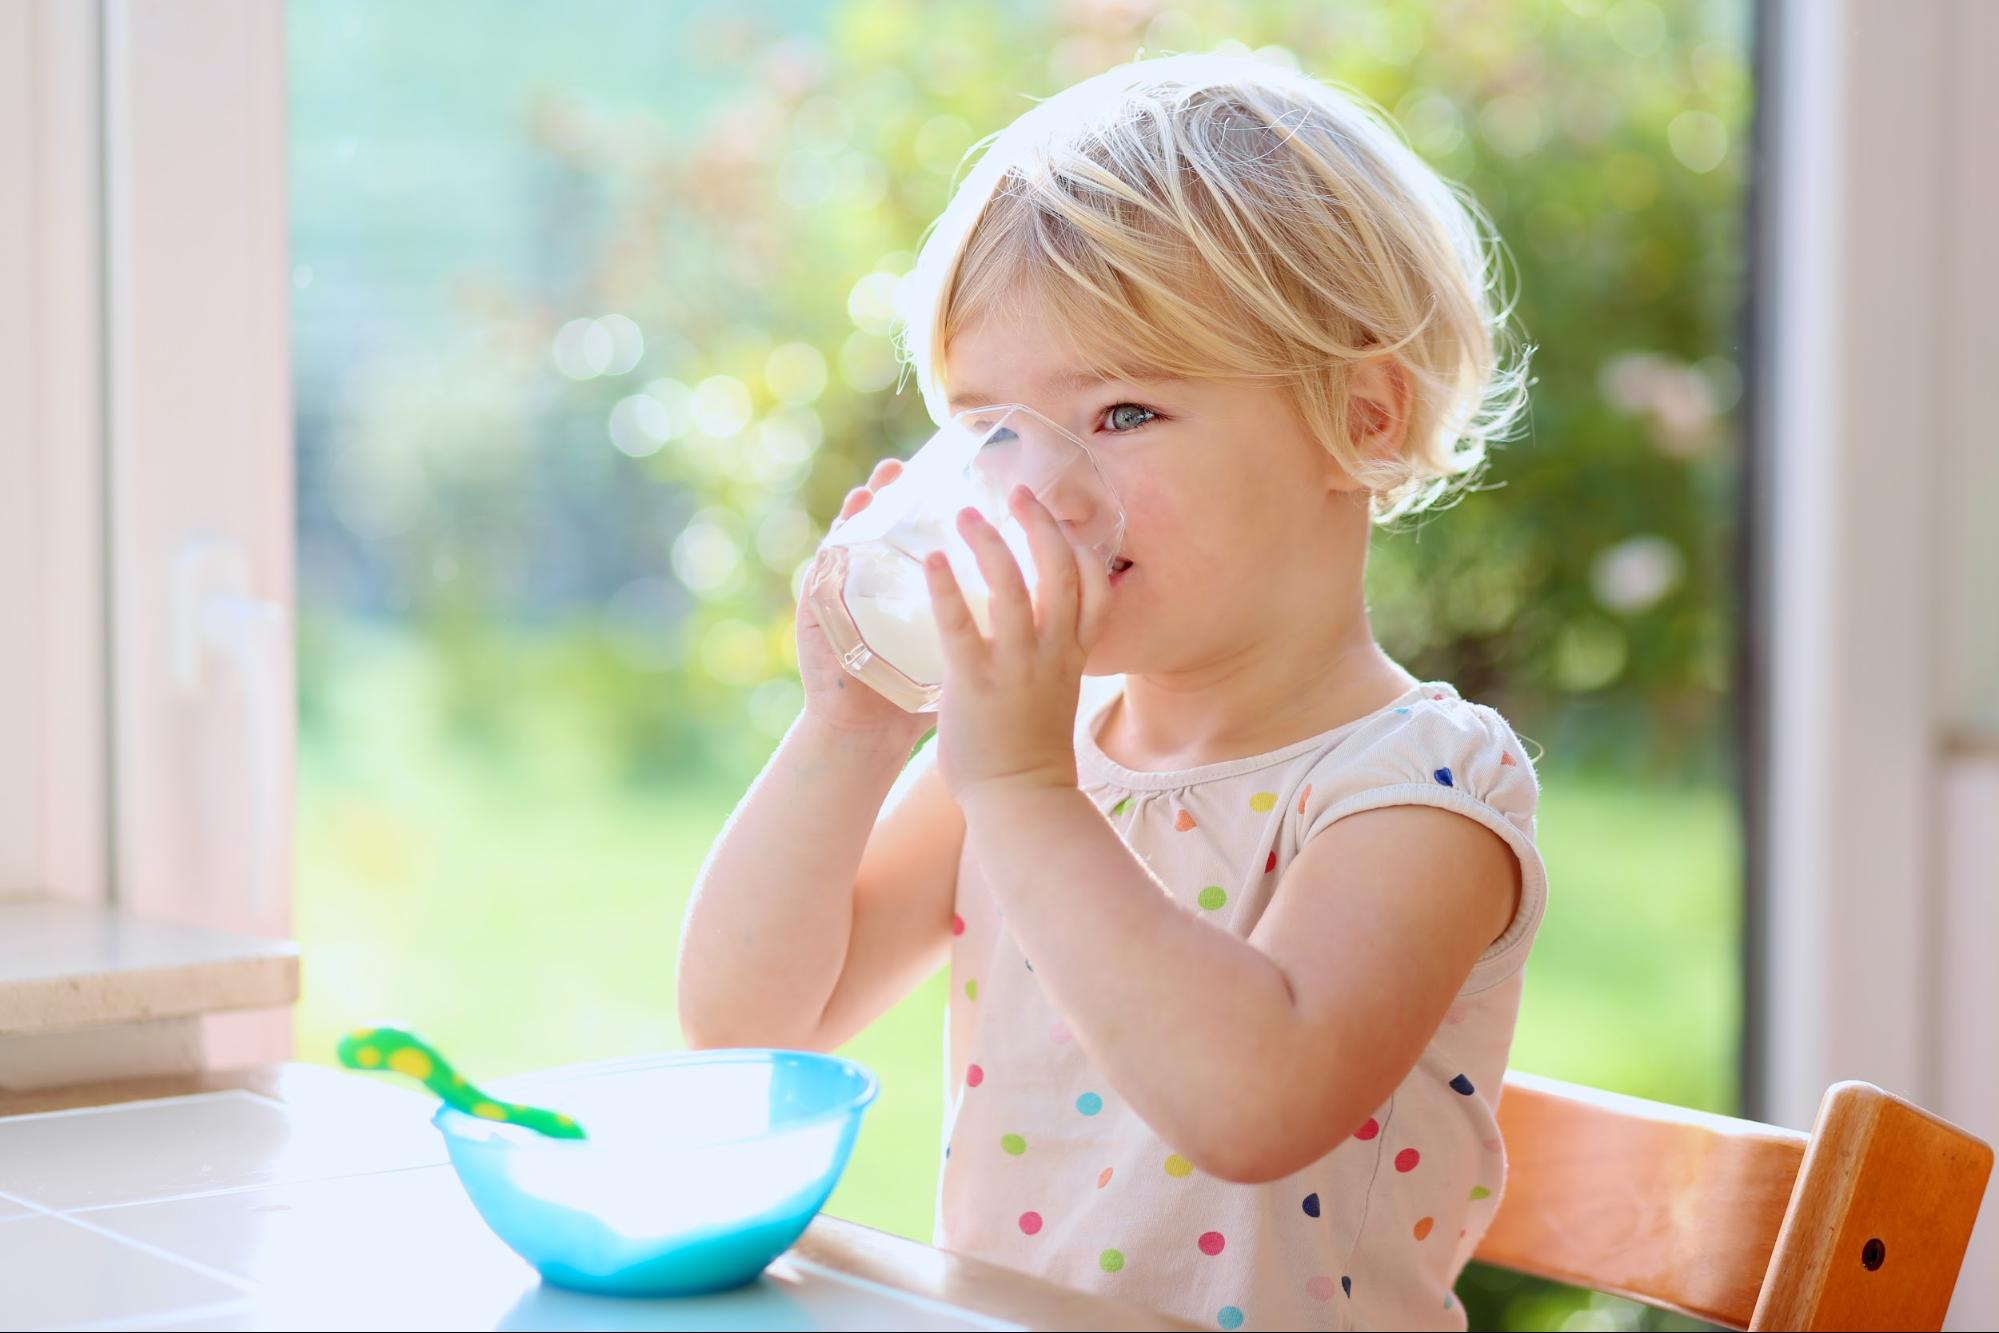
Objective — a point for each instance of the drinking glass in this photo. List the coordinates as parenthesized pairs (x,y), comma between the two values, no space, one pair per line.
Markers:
(866,584)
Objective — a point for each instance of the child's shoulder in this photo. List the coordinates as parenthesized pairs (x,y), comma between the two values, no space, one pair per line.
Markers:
(1435,739)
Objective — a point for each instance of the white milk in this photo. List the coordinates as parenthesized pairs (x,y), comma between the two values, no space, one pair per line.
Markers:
(901,630)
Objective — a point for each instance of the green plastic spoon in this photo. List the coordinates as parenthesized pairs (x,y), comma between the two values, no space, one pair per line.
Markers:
(399,1051)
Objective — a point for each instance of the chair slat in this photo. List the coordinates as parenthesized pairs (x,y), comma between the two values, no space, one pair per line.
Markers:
(1676,1208)
(1880,1218)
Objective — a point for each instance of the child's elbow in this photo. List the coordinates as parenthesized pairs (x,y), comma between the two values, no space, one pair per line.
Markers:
(1246,1168)
(1267,1151)
(723,1032)
(713,1032)
(1240,1161)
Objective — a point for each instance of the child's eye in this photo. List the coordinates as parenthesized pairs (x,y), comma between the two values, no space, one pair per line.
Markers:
(1124,418)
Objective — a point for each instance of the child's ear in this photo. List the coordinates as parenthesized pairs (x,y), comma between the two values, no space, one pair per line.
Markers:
(1378,408)
(1377,416)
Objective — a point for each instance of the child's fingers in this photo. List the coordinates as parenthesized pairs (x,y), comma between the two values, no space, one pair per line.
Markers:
(964,647)
(1058,592)
(1007,606)
(857,499)
(1095,597)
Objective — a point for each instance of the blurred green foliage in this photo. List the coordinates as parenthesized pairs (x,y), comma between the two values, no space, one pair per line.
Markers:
(634,406)
(590,337)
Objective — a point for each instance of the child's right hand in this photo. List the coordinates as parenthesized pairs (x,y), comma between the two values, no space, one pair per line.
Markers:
(833,698)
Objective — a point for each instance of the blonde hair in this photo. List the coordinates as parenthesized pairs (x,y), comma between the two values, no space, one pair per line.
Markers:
(1220,217)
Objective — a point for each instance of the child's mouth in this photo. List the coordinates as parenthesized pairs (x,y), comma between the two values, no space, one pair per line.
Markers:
(1119,568)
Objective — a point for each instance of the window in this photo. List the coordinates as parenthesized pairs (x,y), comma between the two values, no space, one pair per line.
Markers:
(591,336)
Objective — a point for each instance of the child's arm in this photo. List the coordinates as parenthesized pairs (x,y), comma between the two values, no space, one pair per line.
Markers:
(806,922)
(1255,1057)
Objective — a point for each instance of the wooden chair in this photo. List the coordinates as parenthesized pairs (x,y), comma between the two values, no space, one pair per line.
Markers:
(1861,1225)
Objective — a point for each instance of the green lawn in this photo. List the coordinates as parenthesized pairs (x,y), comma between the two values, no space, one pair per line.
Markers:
(521,906)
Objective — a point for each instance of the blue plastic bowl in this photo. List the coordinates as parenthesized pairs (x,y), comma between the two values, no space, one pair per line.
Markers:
(701,1167)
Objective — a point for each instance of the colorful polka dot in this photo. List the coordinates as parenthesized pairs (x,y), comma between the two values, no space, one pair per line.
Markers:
(1103,1177)
(972,989)
(1089,1103)
(1424,1225)
(1013,1144)
(1263,802)
(488,1111)
(1462,1086)
(1111,1260)
(1121,806)
(1312,1204)
(1058,1032)
(974,1075)
(957,924)
(947,1152)
(1506,758)
(1211,1242)
(368,1056)
(1213,897)
(1229,1317)
(1455,1015)
(1479,1192)
(1491,1145)
(1405,1161)
(1184,822)
(1319,1288)
(1443,775)
(1303,797)
(1270,864)
(1029,962)
(1368,1130)
(1178,1167)
(1030,1222)
(1346,1285)
(1403,711)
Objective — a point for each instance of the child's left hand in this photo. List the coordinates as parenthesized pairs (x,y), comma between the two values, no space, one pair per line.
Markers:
(1007,716)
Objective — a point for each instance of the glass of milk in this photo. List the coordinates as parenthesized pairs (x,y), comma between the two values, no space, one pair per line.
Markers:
(866,584)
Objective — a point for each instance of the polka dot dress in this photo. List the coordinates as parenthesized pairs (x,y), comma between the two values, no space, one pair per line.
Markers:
(1047,1169)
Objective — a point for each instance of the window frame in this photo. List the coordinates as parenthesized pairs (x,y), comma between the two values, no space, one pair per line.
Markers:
(145,414)
(1870,644)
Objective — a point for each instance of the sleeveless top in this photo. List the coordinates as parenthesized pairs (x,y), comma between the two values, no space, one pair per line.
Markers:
(1047,1170)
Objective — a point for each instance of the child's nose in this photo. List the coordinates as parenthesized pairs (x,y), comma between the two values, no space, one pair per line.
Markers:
(1072,497)
(1080,501)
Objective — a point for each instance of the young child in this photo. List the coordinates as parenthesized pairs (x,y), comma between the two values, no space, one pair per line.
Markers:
(1236,908)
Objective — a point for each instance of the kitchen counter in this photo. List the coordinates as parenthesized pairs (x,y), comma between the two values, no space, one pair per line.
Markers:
(297,1197)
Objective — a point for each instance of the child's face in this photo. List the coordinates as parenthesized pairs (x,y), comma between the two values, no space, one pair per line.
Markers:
(1236,520)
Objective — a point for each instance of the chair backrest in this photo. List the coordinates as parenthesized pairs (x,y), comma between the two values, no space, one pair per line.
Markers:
(1860,1225)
